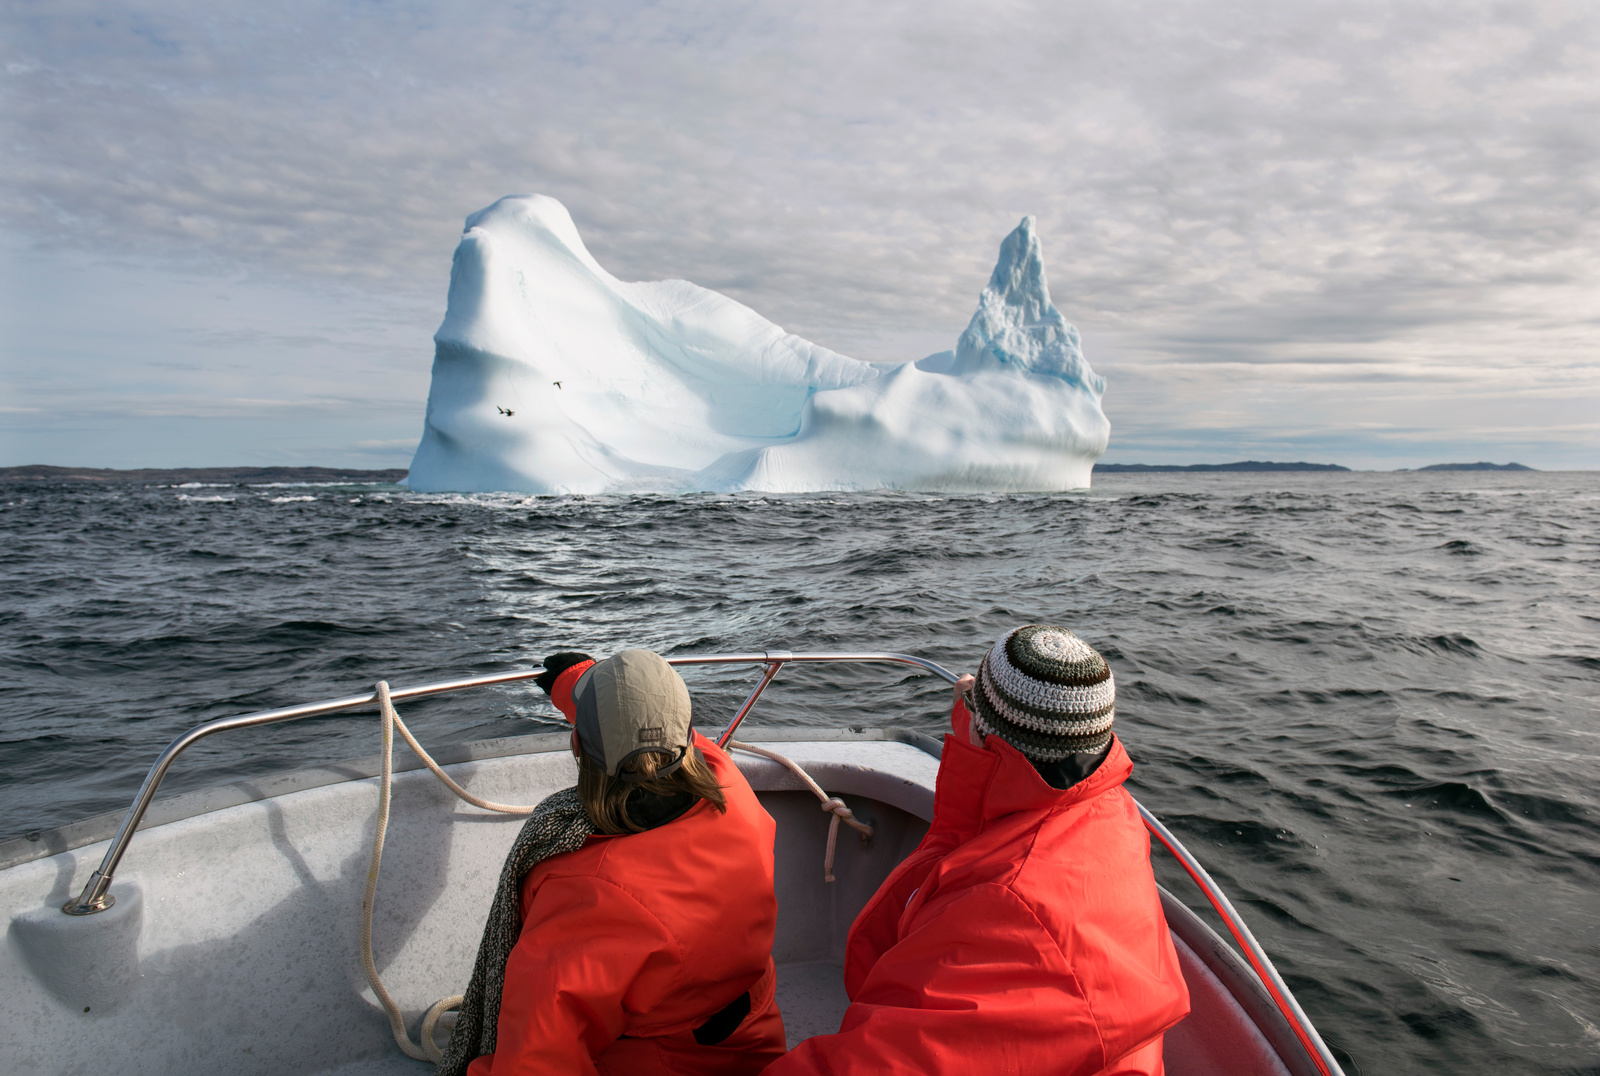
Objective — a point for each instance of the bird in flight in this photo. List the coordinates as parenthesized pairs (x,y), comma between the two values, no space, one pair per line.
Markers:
(557,384)
(506,411)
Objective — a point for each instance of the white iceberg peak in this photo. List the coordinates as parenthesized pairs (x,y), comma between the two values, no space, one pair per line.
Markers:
(1017,326)
(550,375)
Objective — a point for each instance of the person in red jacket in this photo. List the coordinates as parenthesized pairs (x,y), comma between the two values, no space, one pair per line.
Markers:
(1024,934)
(649,949)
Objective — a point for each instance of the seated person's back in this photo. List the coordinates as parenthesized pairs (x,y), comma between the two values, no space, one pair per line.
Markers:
(647,949)
(1025,933)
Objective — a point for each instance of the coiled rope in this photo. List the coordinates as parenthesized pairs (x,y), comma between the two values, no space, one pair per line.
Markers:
(427,1049)
(832,804)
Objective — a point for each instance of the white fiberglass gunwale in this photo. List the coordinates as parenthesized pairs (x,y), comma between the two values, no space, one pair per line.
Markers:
(96,897)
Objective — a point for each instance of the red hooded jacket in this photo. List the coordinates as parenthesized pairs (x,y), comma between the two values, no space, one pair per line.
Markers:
(630,943)
(1024,934)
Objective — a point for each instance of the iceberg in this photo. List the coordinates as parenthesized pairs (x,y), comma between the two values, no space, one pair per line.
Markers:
(551,376)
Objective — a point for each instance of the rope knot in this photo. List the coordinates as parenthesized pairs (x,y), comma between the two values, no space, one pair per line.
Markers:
(832,804)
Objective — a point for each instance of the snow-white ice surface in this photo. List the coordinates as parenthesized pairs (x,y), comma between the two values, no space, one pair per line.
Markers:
(667,386)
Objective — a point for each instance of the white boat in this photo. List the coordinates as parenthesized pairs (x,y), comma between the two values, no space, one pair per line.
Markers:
(220,930)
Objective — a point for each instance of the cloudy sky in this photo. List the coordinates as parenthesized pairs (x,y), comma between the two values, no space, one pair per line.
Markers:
(1352,232)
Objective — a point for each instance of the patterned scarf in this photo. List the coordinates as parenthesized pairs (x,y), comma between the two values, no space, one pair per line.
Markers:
(558,825)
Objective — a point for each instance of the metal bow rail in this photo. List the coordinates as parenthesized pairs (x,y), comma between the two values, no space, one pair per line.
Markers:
(96,895)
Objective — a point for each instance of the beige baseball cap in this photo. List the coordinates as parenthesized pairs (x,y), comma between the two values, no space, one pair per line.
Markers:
(630,703)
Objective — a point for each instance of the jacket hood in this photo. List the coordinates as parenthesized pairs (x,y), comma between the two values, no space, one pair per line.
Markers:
(979,784)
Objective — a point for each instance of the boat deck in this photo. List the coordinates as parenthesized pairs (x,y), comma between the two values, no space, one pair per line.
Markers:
(234,940)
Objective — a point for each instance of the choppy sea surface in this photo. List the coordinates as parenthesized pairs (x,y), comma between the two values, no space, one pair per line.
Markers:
(1368,702)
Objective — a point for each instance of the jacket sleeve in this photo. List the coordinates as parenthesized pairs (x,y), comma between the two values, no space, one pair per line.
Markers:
(975,986)
(588,958)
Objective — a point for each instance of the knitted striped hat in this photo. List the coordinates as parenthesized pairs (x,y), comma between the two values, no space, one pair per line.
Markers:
(1045,692)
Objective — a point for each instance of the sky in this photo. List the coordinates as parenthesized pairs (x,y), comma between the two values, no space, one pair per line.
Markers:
(1358,233)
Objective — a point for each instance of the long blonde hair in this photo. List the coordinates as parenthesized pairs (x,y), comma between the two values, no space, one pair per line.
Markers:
(605,797)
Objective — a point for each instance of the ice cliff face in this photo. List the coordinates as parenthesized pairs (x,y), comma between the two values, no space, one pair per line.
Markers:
(552,376)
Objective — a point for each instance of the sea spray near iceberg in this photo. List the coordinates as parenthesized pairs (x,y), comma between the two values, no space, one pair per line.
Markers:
(552,376)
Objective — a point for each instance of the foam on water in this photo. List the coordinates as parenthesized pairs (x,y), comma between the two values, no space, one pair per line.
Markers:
(1365,701)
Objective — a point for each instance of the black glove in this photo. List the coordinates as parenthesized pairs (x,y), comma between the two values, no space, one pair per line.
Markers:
(555,665)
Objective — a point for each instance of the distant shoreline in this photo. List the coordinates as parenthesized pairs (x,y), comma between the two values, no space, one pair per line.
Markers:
(180,475)
(266,475)
(1267,465)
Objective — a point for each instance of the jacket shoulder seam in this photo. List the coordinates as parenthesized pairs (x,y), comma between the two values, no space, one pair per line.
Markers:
(1088,1002)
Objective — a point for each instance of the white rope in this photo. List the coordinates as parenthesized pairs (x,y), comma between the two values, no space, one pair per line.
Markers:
(428,1050)
(832,804)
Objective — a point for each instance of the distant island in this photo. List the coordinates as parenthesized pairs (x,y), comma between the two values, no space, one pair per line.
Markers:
(178,475)
(1267,465)
(1475,467)
(1244,465)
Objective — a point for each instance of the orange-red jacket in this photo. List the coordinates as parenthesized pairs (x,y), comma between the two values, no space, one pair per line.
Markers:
(1024,935)
(631,943)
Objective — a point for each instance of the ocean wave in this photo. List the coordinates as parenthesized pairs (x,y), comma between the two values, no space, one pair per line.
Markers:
(1344,695)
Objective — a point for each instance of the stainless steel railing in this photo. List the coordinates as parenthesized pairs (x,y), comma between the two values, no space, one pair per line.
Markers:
(1276,988)
(96,894)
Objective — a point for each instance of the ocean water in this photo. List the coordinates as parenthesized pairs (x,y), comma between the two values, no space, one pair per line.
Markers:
(1368,702)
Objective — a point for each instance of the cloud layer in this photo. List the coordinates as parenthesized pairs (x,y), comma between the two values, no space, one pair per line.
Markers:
(1366,231)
